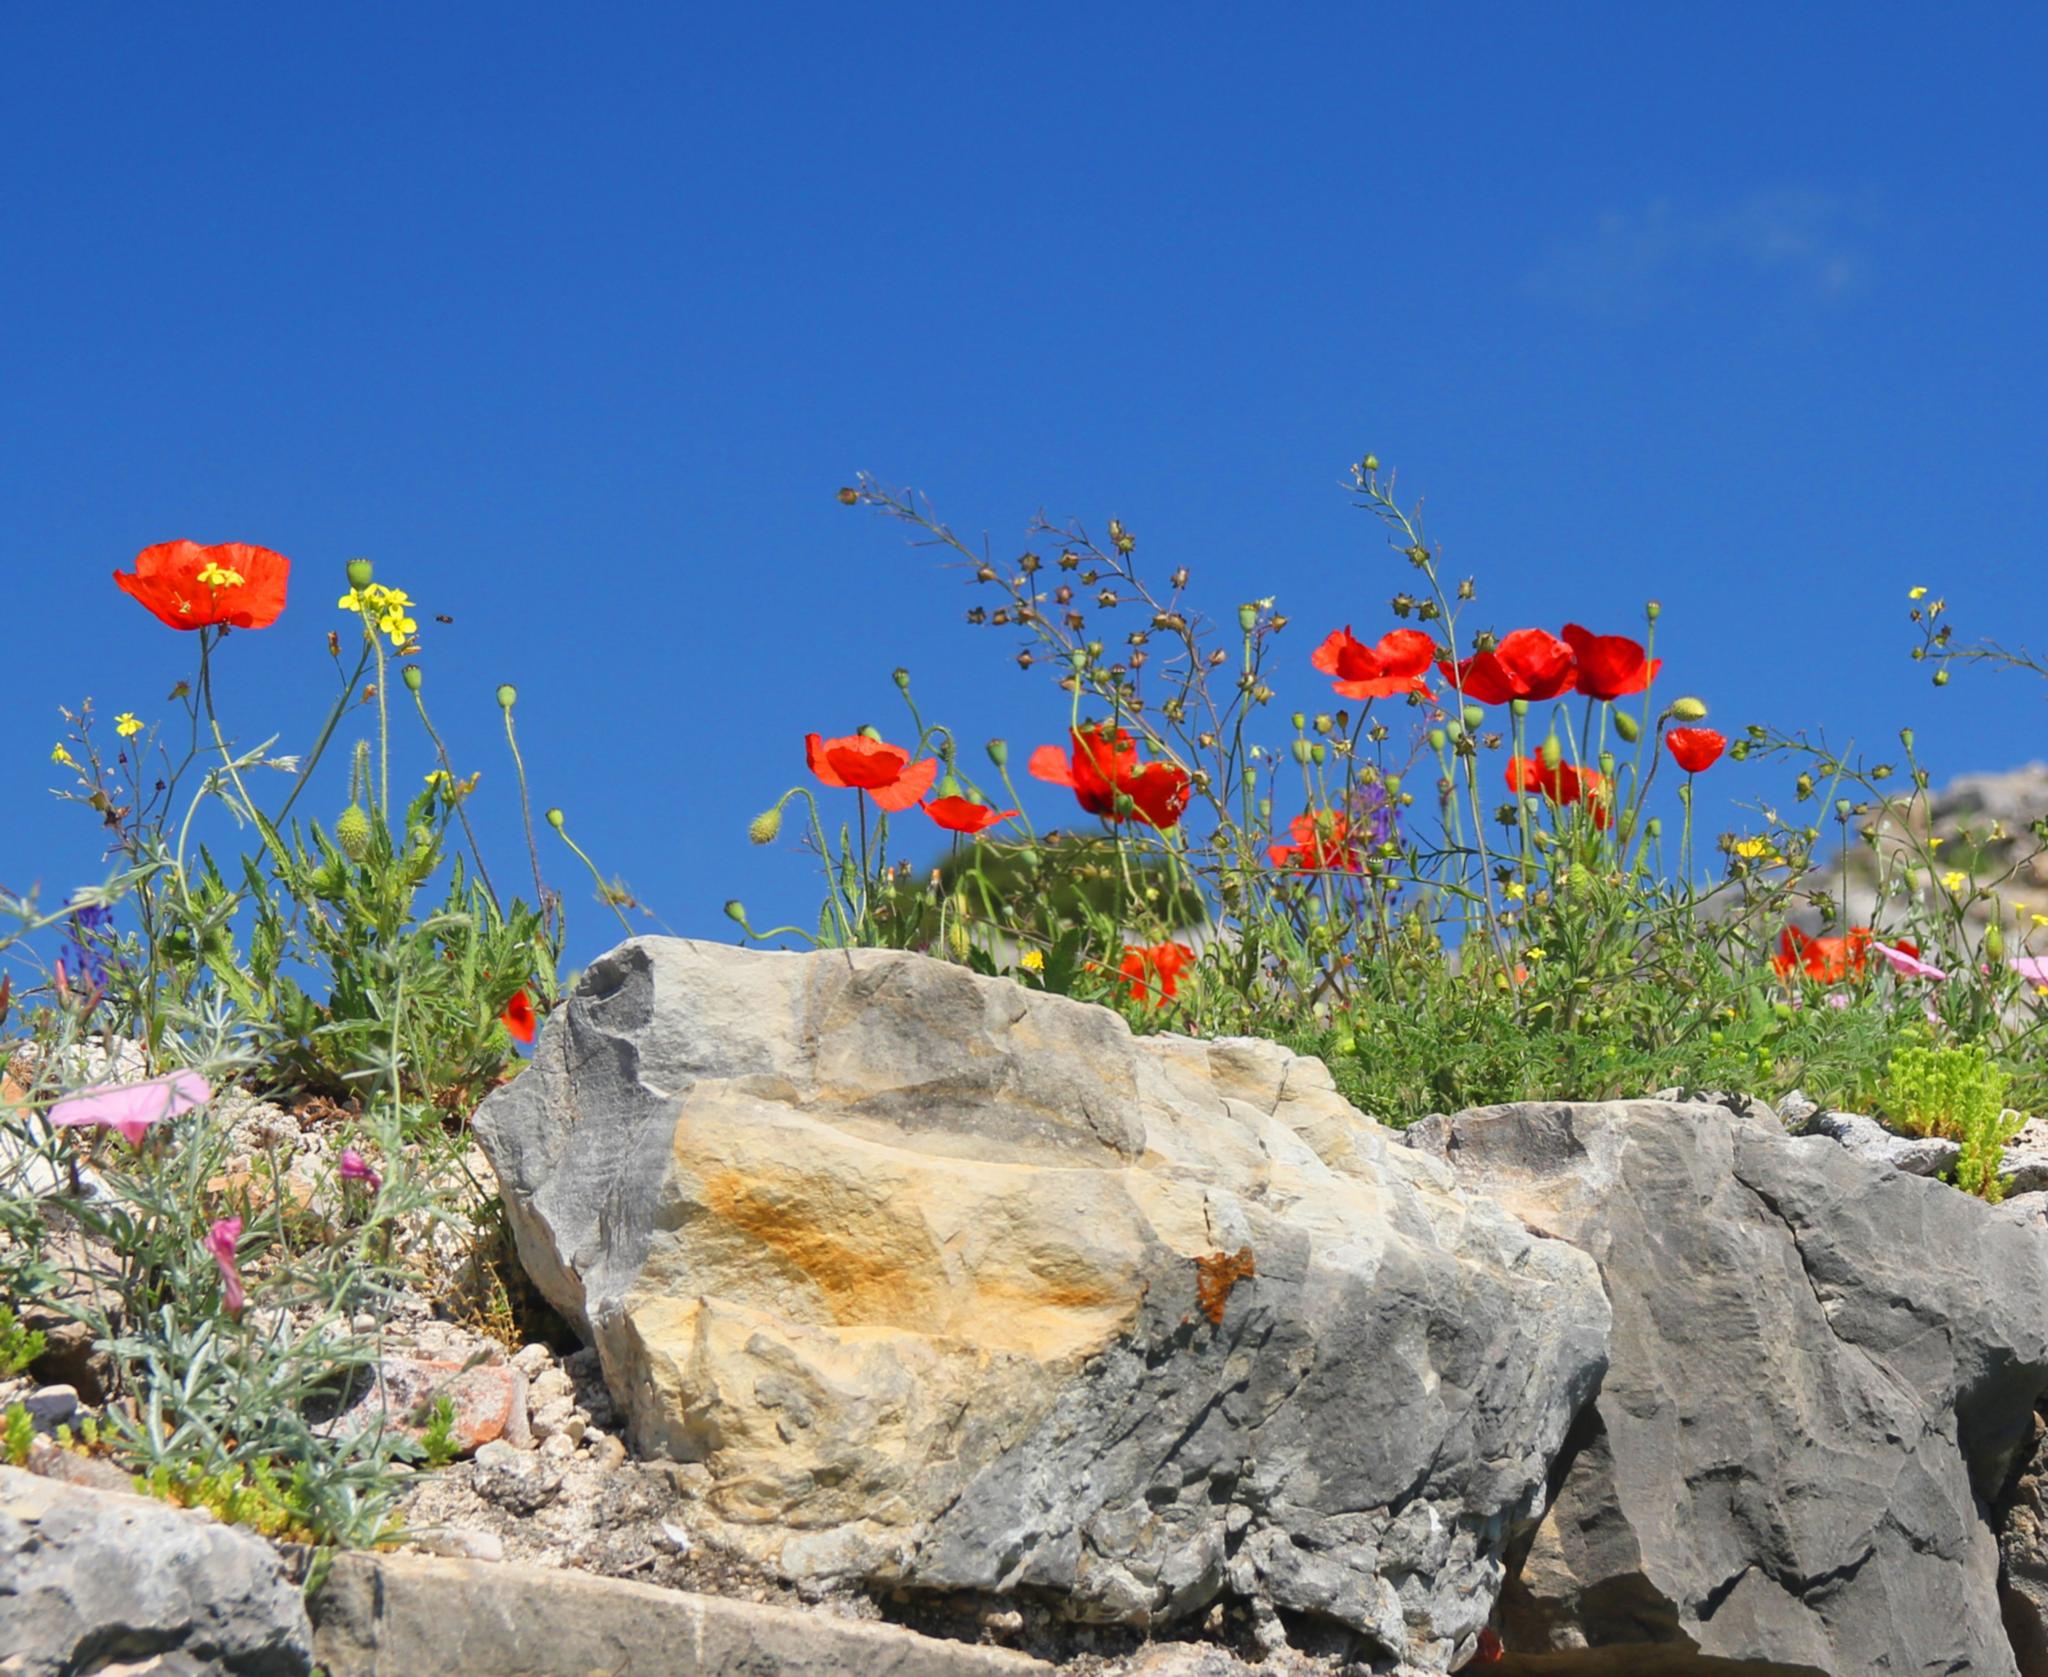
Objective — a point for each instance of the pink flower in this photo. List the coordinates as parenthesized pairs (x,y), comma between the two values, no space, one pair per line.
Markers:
(356,1168)
(132,1108)
(1906,962)
(220,1243)
(2033,968)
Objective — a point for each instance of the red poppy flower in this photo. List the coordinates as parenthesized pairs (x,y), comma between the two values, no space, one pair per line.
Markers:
(1104,766)
(1527,664)
(1154,970)
(1696,749)
(1563,785)
(1489,1650)
(1396,663)
(1610,666)
(1826,960)
(1321,841)
(963,815)
(884,772)
(194,587)
(518,1018)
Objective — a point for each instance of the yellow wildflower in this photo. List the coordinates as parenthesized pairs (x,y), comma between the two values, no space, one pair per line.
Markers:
(62,758)
(386,607)
(1955,879)
(1936,842)
(126,725)
(1534,952)
(1516,891)
(1032,960)
(1916,594)
(1752,849)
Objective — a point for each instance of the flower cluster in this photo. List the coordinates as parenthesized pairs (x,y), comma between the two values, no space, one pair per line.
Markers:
(388,609)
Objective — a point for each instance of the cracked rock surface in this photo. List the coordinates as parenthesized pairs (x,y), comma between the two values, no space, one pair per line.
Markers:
(952,1286)
(1822,1372)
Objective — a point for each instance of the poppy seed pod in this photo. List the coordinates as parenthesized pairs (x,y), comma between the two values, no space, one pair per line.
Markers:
(1627,726)
(1994,941)
(508,696)
(1301,751)
(1247,618)
(412,678)
(360,571)
(557,820)
(1906,738)
(901,677)
(736,911)
(999,752)
(352,832)
(1474,717)
(1437,738)
(1689,709)
(1653,610)
(1320,752)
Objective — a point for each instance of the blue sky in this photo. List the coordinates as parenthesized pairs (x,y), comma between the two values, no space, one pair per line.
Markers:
(574,321)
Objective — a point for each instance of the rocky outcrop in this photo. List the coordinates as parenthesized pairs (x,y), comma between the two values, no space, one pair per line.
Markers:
(952,1285)
(1822,1372)
(102,1581)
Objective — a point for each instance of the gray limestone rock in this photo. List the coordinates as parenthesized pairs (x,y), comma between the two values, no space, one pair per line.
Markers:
(1822,1372)
(99,1581)
(956,1286)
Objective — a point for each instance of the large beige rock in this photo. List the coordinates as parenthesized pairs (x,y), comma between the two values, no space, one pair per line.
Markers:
(955,1285)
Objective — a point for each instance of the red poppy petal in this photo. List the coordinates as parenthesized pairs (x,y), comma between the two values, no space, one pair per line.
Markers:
(820,763)
(1049,763)
(910,786)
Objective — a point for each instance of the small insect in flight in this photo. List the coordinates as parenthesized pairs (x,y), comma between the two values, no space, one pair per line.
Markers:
(442,617)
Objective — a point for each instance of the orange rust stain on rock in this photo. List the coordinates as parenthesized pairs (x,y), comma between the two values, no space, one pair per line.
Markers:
(1215,1275)
(871,1267)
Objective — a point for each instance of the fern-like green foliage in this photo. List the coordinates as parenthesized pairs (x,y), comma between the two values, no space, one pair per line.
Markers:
(1958,1093)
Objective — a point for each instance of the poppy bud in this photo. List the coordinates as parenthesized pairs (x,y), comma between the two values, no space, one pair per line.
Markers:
(867,730)
(1518,708)
(1320,752)
(359,573)
(556,819)
(411,676)
(1456,730)
(1607,764)
(1627,726)
(1370,463)
(1301,749)
(1475,718)
(1247,618)
(1436,739)
(352,832)
(736,911)
(1688,710)
(1906,738)
(1994,941)
(1265,809)
(1654,827)
(1552,751)
(901,677)
(1393,785)
(508,696)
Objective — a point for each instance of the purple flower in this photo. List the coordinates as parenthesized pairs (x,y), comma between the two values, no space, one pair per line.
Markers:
(1374,819)
(356,1168)
(91,934)
(132,1108)
(220,1243)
